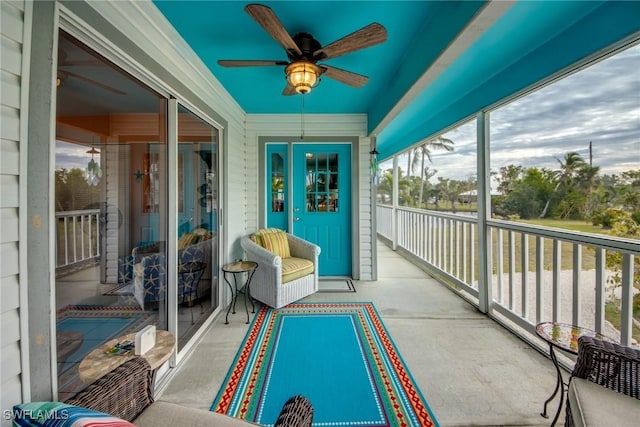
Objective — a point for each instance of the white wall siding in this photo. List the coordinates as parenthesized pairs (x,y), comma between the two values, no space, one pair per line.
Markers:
(12,15)
(366,224)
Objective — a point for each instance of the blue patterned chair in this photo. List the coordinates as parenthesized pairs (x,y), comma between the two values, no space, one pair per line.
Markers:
(146,268)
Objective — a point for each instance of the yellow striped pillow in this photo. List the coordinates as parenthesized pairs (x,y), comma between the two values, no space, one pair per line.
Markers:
(273,240)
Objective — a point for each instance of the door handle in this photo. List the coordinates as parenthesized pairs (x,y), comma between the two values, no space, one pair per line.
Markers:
(296,219)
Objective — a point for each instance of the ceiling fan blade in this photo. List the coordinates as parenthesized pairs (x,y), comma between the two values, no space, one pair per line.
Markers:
(268,20)
(249,63)
(95,83)
(289,90)
(370,35)
(344,76)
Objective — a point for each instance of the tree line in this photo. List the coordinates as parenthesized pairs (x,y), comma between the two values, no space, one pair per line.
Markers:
(575,190)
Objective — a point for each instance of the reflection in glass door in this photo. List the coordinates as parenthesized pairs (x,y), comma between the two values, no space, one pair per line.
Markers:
(111,206)
(197,222)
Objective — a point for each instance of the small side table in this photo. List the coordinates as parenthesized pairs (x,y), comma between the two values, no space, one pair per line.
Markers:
(98,363)
(236,268)
(565,337)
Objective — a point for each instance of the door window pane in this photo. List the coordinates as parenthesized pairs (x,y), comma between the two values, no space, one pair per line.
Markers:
(322,189)
(277,182)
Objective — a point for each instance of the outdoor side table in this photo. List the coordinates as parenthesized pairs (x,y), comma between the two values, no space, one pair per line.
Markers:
(237,269)
(99,362)
(565,337)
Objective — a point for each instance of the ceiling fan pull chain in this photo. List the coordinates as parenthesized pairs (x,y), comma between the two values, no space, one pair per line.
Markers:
(302,118)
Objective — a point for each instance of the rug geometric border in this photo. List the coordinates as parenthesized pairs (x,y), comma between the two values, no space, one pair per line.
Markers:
(402,403)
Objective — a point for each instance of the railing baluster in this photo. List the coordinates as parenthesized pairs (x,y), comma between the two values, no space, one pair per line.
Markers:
(464,252)
(472,254)
(539,279)
(82,240)
(450,225)
(500,267)
(524,265)
(577,276)
(600,282)
(626,315)
(512,268)
(457,240)
(557,265)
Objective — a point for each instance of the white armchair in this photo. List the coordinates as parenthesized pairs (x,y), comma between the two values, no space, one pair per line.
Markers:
(285,273)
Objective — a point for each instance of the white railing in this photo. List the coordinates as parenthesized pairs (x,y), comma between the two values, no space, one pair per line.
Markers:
(77,238)
(537,273)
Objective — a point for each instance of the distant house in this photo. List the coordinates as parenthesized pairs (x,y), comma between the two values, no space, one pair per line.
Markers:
(471,196)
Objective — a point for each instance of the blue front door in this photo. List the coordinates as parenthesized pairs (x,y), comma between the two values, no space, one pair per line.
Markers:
(321,187)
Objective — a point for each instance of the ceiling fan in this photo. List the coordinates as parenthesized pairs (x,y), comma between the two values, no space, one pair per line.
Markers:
(63,74)
(304,52)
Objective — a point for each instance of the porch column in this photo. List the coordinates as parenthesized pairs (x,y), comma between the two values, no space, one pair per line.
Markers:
(40,186)
(394,203)
(485,290)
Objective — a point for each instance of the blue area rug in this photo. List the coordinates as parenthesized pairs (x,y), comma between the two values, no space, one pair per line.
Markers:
(339,355)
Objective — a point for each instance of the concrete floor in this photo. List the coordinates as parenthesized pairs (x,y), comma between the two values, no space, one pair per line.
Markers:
(472,371)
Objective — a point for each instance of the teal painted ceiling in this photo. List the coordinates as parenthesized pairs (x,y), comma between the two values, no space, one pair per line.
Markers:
(442,61)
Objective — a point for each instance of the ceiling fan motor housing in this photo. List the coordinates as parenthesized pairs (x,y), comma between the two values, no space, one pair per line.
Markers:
(307,45)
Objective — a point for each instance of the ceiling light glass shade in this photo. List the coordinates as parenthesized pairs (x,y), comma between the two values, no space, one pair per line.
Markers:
(302,75)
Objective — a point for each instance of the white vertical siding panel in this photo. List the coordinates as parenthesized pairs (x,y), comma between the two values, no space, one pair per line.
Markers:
(9,221)
(10,119)
(9,294)
(11,21)
(12,30)
(11,393)
(366,223)
(11,55)
(9,161)
(10,89)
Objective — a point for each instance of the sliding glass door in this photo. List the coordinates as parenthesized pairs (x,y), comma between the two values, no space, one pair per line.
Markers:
(114,200)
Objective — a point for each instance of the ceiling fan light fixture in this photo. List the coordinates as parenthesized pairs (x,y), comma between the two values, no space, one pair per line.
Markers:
(303,75)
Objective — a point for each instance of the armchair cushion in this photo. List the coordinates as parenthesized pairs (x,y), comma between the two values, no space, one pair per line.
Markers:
(595,405)
(273,240)
(294,268)
(604,388)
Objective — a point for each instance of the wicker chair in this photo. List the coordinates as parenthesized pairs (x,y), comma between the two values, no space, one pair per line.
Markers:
(127,393)
(613,367)
(272,282)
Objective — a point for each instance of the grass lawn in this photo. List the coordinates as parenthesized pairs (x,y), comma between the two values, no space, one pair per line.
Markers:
(573,225)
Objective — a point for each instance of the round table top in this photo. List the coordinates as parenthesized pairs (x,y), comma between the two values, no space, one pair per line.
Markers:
(565,336)
(99,362)
(239,266)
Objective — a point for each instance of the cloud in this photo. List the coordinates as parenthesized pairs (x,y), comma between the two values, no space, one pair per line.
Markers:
(599,104)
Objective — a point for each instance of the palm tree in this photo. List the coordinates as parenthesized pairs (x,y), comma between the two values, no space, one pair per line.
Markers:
(424,151)
(570,166)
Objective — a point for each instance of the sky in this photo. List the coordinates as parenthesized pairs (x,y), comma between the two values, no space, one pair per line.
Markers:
(599,104)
